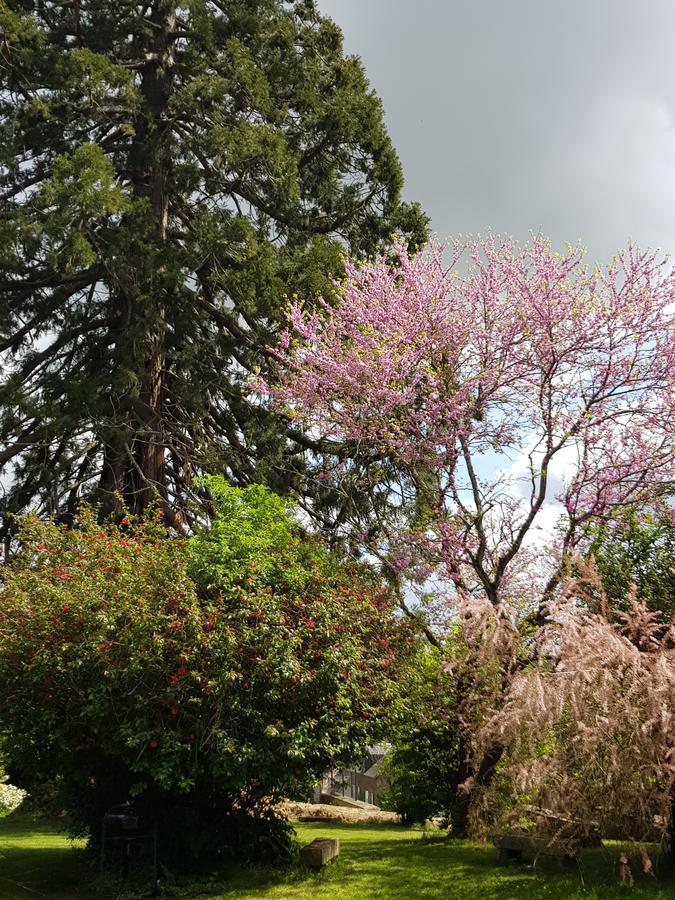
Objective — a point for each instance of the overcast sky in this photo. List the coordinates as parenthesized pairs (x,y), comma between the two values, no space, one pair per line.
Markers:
(526,116)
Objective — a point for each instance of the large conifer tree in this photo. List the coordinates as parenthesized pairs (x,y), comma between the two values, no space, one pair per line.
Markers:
(169,173)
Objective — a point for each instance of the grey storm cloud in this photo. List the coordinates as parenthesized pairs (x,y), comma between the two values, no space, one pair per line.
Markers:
(526,116)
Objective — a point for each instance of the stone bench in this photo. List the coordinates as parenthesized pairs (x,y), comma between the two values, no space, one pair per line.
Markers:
(320,852)
(567,828)
(512,846)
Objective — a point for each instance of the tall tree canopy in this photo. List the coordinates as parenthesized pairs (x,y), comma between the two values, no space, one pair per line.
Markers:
(168,174)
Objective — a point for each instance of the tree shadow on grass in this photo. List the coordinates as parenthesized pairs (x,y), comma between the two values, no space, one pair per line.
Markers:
(373,866)
(36,861)
(377,862)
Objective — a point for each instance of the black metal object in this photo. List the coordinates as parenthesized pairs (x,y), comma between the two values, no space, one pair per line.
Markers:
(125,823)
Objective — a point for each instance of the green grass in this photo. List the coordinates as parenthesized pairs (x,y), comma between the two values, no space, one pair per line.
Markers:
(36,861)
(377,862)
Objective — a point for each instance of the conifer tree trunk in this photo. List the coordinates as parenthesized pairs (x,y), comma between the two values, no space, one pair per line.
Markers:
(137,472)
(134,472)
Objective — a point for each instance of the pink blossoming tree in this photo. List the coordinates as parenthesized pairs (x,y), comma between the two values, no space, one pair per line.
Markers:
(457,386)
(453,369)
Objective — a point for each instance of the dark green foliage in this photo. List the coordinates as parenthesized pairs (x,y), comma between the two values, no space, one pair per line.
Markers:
(204,679)
(169,174)
(638,549)
(423,764)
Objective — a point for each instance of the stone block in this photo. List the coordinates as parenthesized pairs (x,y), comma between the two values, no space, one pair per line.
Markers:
(320,852)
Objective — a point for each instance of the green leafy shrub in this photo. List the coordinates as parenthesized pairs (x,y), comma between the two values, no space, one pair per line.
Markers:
(205,678)
(423,764)
(638,549)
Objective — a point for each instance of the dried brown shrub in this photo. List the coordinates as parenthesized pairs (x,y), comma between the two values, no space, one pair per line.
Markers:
(586,729)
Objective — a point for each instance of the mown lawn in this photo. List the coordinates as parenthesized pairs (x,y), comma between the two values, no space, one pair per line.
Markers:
(36,861)
(381,862)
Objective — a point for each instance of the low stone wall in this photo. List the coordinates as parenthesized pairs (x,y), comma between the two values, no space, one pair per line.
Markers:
(328,812)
